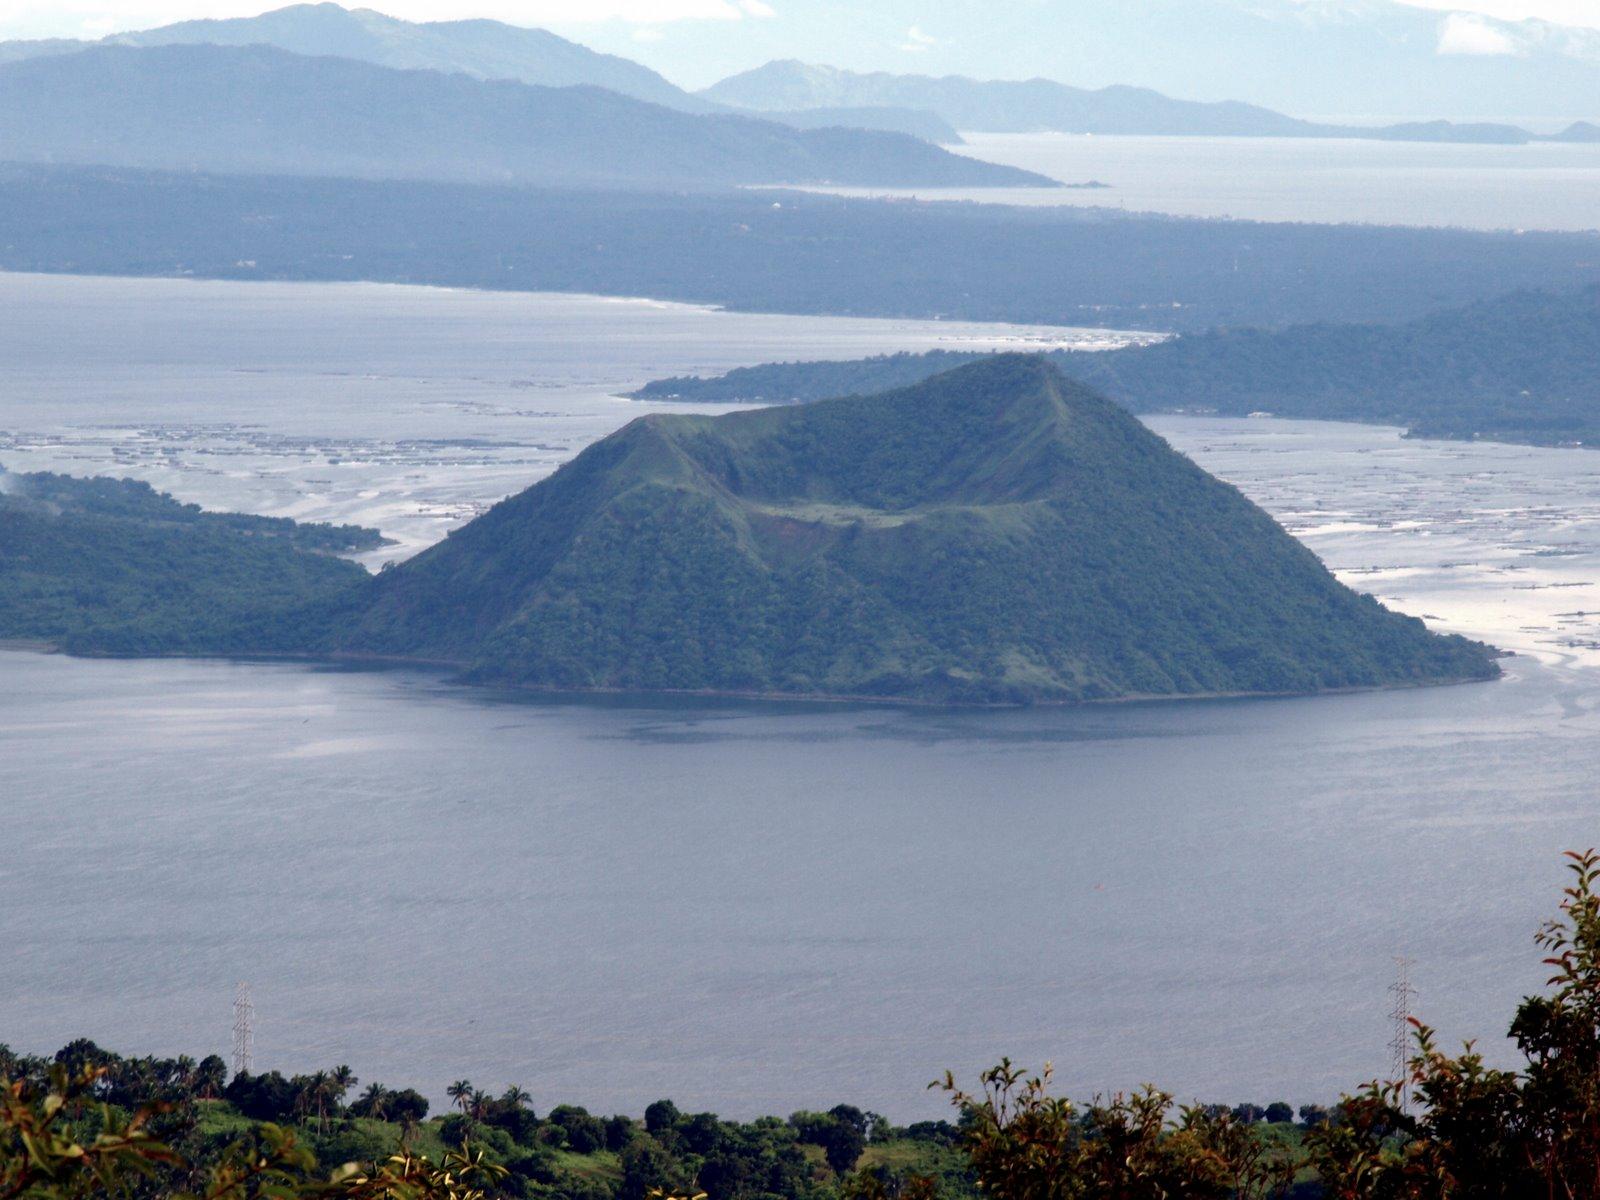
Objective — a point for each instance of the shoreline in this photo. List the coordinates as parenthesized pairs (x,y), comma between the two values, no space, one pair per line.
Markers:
(379,662)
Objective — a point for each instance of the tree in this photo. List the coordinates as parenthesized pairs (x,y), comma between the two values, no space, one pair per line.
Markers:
(661,1115)
(48,1152)
(340,1080)
(461,1092)
(842,1145)
(647,1167)
(311,1095)
(515,1097)
(1026,1144)
(374,1102)
(1480,1131)
(210,1077)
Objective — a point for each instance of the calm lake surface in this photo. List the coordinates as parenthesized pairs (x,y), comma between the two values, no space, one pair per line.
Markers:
(1336,180)
(751,907)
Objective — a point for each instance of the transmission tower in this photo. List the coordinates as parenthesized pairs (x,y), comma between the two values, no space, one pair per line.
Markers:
(1404,997)
(244,1031)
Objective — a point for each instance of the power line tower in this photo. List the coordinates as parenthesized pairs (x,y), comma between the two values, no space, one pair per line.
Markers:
(1404,997)
(244,1029)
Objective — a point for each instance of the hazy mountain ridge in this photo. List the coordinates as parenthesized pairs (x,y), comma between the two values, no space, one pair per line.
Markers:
(1045,105)
(1331,59)
(258,109)
(993,534)
(999,106)
(481,48)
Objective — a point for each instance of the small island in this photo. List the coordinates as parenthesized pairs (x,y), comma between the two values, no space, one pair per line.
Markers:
(996,534)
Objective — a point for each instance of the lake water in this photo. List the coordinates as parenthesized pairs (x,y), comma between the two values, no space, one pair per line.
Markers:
(406,407)
(1337,180)
(751,907)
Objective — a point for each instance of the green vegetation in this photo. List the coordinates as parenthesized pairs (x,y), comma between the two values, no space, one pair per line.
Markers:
(112,566)
(995,534)
(91,1123)
(1524,368)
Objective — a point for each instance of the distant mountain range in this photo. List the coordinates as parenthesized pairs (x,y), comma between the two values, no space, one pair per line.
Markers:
(994,534)
(258,109)
(1039,105)
(999,106)
(806,96)
(1522,368)
(484,49)
(1364,61)
(480,48)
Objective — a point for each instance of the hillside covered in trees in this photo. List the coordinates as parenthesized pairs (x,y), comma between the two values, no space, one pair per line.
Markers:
(1523,368)
(995,534)
(113,566)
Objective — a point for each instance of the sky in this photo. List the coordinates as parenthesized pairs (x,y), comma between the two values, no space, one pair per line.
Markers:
(91,18)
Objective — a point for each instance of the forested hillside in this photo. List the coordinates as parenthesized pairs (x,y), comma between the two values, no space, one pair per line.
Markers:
(994,534)
(1524,368)
(112,566)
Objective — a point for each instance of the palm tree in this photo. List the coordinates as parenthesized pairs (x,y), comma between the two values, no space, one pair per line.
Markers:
(316,1093)
(375,1101)
(461,1092)
(340,1081)
(479,1104)
(183,1071)
(305,1089)
(515,1097)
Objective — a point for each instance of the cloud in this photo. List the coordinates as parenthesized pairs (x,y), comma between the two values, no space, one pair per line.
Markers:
(757,8)
(1463,33)
(917,41)
(1578,13)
